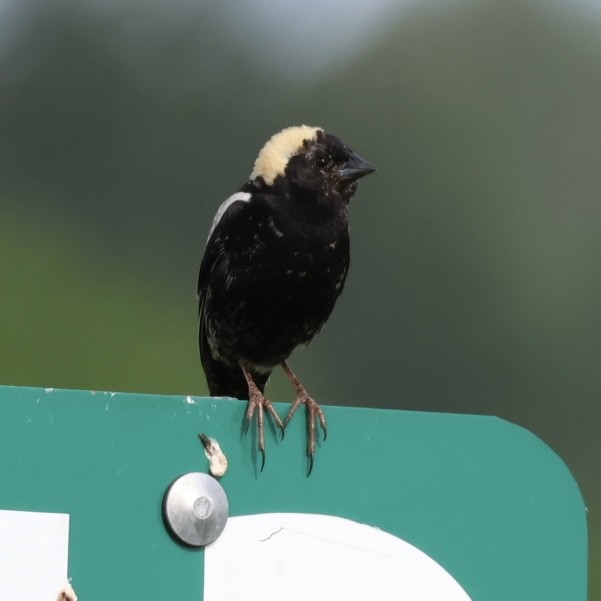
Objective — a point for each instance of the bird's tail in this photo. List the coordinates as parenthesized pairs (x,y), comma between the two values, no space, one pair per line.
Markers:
(224,379)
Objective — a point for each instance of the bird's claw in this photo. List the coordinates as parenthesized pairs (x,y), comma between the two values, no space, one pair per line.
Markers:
(309,465)
(274,416)
(257,402)
(322,423)
(245,425)
(314,414)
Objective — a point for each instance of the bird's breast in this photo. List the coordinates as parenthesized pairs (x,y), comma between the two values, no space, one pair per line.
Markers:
(276,285)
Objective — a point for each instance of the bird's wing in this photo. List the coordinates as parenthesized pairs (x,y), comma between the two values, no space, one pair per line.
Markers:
(219,377)
(229,211)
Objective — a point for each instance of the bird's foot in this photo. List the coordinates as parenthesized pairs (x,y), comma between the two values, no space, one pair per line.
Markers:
(314,414)
(257,402)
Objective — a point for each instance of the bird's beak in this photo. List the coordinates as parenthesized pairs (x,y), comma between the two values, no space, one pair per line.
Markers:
(355,168)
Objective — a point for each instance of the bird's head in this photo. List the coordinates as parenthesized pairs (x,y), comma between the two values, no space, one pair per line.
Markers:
(312,161)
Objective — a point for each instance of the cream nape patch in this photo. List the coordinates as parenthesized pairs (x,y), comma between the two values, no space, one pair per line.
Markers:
(273,158)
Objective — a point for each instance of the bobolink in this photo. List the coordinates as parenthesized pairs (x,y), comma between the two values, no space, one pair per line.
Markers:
(275,262)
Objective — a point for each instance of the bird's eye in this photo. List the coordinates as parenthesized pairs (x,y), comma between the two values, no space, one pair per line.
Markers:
(321,160)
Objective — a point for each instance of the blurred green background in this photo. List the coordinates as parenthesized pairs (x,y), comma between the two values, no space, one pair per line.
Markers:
(475,283)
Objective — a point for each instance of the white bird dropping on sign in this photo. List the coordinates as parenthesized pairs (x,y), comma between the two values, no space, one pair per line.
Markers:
(216,457)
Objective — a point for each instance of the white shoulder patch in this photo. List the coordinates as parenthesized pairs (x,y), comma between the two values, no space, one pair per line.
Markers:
(225,205)
(273,158)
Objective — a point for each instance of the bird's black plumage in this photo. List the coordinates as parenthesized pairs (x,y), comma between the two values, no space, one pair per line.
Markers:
(276,258)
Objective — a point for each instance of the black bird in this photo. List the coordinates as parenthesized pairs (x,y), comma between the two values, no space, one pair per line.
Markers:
(275,262)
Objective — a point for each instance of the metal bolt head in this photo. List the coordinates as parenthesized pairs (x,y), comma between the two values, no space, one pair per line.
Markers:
(195,508)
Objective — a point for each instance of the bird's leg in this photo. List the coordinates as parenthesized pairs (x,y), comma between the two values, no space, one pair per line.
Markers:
(256,400)
(314,413)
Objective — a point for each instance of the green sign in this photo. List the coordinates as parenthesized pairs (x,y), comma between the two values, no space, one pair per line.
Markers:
(485,500)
